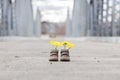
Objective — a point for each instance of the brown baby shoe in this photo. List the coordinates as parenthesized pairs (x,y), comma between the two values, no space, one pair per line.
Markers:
(54,55)
(65,55)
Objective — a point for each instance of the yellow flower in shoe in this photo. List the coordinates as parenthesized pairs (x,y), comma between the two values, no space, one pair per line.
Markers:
(70,45)
(55,43)
(65,43)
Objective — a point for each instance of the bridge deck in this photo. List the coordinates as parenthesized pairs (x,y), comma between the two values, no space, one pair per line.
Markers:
(28,60)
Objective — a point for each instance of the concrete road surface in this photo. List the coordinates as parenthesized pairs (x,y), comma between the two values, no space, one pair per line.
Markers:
(28,60)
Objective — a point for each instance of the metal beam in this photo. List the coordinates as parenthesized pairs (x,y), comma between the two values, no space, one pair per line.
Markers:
(24,18)
(79,18)
(37,26)
(68,25)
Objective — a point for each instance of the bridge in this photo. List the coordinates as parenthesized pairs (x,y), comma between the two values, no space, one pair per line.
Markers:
(94,29)
(90,18)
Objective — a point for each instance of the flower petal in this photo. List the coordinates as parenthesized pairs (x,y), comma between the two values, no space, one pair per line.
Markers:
(55,43)
(70,45)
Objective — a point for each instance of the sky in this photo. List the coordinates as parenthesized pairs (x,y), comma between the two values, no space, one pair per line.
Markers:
(53,10)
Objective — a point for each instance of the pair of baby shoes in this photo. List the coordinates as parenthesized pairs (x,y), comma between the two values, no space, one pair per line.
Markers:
(64,55)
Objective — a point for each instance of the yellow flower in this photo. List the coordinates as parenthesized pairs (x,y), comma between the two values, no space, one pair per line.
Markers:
(55,43)
(70,45)
(65,43)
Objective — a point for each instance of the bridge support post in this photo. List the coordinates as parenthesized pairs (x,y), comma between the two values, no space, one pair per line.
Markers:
(37,26)
(79,22)
(24,18)
(68,25)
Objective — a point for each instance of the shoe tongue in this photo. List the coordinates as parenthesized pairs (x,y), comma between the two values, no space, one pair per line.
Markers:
(54,51)
(65,50)
(65,53)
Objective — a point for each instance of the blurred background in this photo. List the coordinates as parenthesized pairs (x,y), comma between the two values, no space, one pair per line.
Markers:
(69,18)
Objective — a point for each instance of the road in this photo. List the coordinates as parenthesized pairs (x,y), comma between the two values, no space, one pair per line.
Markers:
(28,60)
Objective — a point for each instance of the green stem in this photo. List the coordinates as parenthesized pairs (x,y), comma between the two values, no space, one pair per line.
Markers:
(56,47)
(64,46)
(69,48)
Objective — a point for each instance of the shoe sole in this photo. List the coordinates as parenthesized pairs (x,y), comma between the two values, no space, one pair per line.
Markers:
(65,60)
(53,59)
